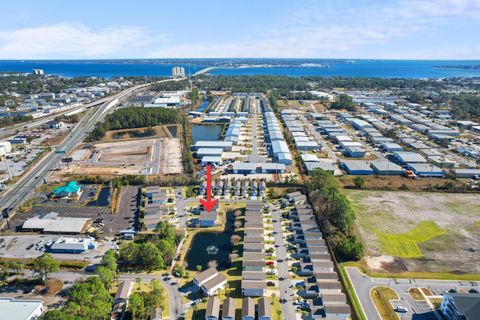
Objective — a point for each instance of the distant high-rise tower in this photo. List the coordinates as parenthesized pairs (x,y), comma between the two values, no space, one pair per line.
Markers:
(178,72)
(38,71)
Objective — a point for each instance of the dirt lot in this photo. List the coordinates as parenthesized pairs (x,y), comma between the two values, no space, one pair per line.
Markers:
(140,156)
(400,212)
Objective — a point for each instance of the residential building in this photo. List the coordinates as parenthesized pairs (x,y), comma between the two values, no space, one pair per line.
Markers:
(264,309)
(210,281)
(156,314)
(248,309)
(460,306)
(228,309)
(213,309)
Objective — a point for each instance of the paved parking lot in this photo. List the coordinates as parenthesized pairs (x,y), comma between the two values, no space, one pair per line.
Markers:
(20,246)
(416,309)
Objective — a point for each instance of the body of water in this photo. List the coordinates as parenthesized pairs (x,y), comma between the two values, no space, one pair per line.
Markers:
(203,106)
(206,132)
(286,67)
(366,69)
(96,68)
(207,246)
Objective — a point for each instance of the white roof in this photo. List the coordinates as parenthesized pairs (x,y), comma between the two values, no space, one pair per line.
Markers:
(210,151)
(310,158)
(52,223)
(18,309)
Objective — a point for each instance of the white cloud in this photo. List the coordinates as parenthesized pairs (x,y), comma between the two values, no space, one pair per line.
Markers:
(330,28)
(310,28)
(70,40)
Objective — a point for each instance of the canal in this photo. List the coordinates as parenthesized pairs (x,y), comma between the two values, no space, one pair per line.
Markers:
(209,245)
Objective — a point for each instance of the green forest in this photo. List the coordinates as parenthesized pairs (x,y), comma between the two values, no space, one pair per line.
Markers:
(336,214)
(132,117)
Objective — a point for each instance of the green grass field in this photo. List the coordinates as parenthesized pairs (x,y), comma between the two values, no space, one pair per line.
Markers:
(405,245)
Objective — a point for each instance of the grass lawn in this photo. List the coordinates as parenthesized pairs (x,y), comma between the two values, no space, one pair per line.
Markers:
(381,296)
(405,245)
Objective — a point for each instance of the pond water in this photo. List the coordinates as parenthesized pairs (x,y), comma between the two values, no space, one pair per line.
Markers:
(173,130)
(210,132)
(102,199)
(207,246)
(203,106)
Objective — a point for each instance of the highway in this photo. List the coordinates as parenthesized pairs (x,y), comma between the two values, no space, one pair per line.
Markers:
(20,191)
(12,130)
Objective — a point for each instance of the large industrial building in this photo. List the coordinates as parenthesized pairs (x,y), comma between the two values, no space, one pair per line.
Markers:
(53,223)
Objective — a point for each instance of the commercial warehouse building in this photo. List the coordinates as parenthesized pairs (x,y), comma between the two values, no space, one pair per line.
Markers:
(53,223)
(426,170)
(73,245)
(224,145)
(357,167)
(408,157)
(386,168)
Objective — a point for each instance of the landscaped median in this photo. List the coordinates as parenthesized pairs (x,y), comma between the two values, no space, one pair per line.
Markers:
(381,296)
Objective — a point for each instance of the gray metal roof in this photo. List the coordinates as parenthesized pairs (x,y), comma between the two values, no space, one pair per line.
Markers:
(14,309)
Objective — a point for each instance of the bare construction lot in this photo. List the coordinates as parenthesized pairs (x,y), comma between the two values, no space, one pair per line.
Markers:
(423,231)
(141,156)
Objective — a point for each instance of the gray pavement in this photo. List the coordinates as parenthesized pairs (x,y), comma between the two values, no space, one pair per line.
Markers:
(362,285)
(286,294)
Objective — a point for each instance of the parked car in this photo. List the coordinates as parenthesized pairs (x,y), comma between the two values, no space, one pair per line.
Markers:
(401,309)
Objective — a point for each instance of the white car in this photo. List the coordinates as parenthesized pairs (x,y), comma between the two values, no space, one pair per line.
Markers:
(401,309)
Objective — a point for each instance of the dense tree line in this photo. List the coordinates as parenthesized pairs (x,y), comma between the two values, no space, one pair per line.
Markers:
(29,84)
(377,83)
(9,121)
(87,300)
(151,252)
(258,83)
(141,303)
(132,117)
(343,101)
(336,214)
(466,106)
(91,298)
(169,86)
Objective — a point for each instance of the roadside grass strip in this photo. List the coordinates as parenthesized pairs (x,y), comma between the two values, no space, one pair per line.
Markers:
(405,245)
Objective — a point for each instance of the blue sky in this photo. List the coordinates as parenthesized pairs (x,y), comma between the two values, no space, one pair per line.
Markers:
(388,29)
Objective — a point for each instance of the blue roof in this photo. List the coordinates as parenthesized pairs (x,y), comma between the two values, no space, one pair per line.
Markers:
(71,187)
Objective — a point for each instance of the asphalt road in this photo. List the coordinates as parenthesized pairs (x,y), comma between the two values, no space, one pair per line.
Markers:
(416,309)
(21,191)
(286,294)
(12,130)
